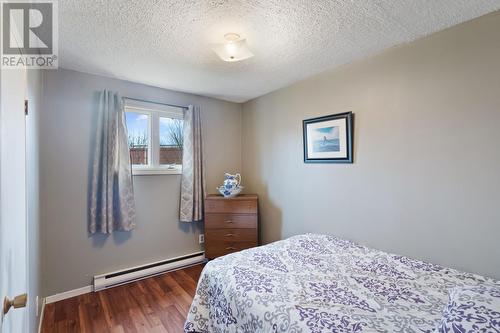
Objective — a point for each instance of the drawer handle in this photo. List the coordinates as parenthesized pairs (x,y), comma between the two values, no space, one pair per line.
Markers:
(228,235)
(230,248)
(229,221)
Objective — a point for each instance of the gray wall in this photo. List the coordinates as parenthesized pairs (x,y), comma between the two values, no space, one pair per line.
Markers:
(426,177)
(71,257)
(34,96)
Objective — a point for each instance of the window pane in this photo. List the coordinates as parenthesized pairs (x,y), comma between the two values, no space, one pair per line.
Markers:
(170,141)
(138,137)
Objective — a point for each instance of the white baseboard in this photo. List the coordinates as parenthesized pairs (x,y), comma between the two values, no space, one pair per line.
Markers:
(68,294)
(42,313)
(89,289)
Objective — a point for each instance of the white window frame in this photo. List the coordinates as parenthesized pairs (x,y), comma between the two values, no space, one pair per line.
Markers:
(154,112)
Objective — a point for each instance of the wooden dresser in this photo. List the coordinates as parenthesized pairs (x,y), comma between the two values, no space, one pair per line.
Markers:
(230,224)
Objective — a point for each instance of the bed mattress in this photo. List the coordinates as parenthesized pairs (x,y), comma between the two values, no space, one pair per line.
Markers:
(319,283)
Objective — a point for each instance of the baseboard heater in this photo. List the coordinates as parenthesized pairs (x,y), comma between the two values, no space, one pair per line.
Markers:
(114,279)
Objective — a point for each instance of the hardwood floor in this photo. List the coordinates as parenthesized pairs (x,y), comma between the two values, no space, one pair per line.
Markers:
(156,304)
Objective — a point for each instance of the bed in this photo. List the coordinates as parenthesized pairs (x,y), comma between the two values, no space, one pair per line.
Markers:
(318,283)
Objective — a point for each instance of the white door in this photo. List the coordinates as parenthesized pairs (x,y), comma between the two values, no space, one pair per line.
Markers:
(13,256)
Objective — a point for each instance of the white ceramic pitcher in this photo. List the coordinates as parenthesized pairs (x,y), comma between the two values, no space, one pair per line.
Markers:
(232,181)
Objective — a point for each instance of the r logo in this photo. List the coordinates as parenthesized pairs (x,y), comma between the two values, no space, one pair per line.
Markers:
(27,28)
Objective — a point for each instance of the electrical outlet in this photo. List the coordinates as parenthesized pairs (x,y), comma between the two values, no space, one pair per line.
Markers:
(202,238)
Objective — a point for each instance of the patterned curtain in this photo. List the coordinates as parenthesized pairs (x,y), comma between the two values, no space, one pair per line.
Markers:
(193,179)
(112,205)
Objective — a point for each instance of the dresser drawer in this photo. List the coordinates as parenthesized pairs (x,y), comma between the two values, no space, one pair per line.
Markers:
(230,235)
(220,248)
(217,221)
(231,206)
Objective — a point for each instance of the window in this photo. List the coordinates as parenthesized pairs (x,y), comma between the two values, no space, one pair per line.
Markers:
(155,137)
(138,125)
(171,140)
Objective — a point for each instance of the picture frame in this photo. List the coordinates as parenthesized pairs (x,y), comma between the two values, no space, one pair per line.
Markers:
(329,139)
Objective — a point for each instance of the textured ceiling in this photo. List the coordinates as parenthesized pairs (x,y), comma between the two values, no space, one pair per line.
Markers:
(167,43)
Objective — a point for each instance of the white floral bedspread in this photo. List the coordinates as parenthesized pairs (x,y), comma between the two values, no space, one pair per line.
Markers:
(317,283)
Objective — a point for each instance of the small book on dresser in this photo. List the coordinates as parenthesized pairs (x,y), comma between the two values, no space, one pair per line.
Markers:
(231,224)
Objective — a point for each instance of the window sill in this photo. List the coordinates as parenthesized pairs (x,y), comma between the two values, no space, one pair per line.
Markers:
(158,171)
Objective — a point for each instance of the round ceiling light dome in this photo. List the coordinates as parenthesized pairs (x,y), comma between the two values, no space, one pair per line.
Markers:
(231,37)
(234,49)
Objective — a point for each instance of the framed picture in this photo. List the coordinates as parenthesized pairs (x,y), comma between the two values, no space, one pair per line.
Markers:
(328,139)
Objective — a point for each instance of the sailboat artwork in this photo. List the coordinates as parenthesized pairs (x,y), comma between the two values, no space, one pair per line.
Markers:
(328,139)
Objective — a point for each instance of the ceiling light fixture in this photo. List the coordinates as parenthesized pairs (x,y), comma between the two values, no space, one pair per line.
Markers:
(234,49)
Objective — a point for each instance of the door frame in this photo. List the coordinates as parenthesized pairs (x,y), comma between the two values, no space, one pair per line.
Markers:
(13,189)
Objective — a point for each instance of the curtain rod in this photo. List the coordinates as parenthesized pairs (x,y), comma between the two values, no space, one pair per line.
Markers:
(146,101)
